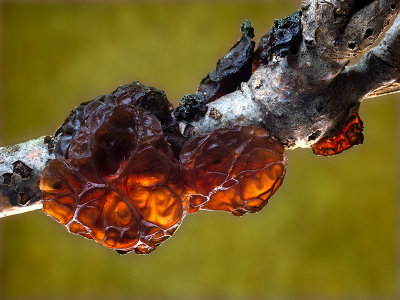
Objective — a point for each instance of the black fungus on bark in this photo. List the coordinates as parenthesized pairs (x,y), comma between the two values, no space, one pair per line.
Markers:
(231,70)
(21,186)
(149,98)
(283,39)
(191,106)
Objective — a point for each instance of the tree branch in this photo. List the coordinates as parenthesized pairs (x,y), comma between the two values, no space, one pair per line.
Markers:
(20,169)
(300,98)
(300,91)
(383,61)
(391,88)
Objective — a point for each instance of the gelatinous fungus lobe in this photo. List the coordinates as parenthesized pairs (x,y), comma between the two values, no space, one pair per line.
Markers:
(235,169)
(349,136)
(231,70)
(283,39)
(118,182)
(134,93)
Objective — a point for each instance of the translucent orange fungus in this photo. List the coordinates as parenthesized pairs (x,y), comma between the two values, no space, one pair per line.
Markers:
(118,182)
(117,178)
(346,138)
(235,169)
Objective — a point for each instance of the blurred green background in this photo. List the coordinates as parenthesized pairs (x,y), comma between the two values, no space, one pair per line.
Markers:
(330,232)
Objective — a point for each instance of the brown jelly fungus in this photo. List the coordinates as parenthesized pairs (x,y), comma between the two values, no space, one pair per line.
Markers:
(283,39)
(149,98)
(231,70)
(234,169)
(118,180)
(124,176)
(349,136)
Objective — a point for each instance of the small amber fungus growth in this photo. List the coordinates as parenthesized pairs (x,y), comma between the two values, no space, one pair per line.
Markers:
(234,169)
(118,182)
(349,136)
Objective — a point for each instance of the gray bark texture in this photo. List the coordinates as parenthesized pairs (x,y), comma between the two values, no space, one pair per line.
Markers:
(309,94)
(299,97)
(20,169)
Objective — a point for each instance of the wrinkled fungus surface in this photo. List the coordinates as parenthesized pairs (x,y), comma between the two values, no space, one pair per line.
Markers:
(349,136)
(118,181)
(234,169)
(118,178)
(134,93)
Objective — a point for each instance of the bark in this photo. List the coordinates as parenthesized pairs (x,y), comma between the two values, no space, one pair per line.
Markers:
(308,94)
(300,92)
(20,169)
